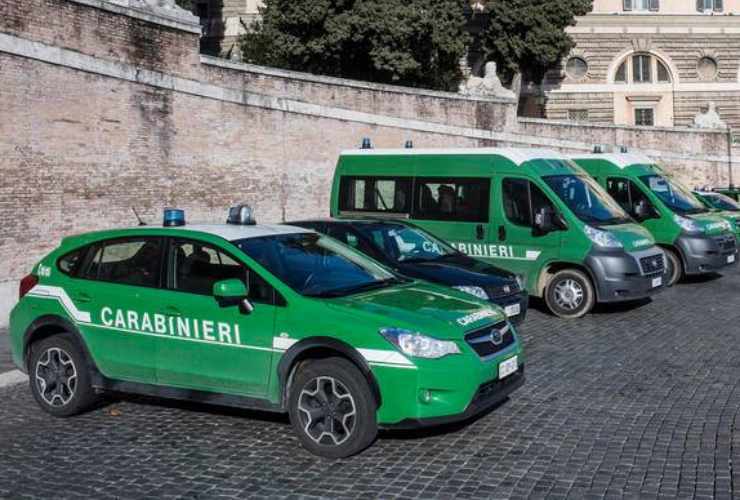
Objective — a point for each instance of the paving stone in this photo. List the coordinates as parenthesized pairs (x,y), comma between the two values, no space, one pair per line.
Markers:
(635,401)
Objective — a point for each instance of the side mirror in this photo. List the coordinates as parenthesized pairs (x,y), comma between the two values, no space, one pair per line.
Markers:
(232,292)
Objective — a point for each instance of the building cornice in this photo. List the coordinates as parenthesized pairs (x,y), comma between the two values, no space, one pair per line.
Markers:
(656,23)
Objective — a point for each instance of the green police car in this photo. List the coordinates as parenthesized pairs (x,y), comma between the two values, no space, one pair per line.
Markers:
(695,240)
(268,317)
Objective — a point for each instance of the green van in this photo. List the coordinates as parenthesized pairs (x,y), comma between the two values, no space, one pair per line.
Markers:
(722,205)
(532,212)
(695,240)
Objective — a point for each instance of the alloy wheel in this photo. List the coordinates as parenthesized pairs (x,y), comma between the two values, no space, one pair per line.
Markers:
(56,377)
(327,411)
(569,294)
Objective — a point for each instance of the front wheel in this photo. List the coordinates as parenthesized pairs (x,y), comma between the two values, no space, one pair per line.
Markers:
(673,268)
(570,294)
(332,408)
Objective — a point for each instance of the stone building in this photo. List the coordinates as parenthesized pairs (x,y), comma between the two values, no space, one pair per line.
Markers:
(222,22)
(649,63)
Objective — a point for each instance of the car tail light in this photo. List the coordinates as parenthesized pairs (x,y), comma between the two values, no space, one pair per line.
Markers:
(27,284)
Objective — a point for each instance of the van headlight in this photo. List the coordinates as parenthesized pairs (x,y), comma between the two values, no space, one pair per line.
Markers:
(417,345)
(688,225)
(604,239)
(473,290)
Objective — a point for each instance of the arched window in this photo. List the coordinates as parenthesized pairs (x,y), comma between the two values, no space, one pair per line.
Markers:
(642,68)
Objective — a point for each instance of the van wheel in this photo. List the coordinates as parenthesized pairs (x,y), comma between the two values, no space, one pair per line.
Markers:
(570,294)
(59,377)
(332,409)
(673,267)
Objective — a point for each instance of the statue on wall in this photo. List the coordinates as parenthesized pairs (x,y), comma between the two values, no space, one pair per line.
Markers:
(488,86)
(709,118)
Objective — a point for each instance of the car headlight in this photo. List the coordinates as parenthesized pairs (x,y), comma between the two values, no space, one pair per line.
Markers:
(604,239)
(688,225)
(521,281)
(473,290)
(417,345)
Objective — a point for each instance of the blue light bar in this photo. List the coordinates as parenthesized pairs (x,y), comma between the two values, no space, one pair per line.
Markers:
(174,217)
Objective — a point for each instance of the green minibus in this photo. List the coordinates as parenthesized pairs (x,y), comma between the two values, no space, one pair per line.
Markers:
(695,240)
(532,212)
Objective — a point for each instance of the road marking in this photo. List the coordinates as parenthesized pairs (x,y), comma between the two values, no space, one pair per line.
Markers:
(13,377)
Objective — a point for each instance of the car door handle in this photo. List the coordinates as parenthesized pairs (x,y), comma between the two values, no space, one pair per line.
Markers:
(501,233)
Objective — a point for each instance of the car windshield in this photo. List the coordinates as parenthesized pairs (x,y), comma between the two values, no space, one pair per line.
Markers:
(588,201)
(316,266)
(722,202)
(675,196)
(406,244)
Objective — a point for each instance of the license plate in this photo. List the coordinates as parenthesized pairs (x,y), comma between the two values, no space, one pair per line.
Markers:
(506,368)
(657,282)
(512,310)
(730,259)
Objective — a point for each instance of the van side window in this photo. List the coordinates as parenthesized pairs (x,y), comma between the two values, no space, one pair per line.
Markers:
(134,261)
(521,199)
(516,201)
(375,194)
(464,200)
(198,266)
(627,194)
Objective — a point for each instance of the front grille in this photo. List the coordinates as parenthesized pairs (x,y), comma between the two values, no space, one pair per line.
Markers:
(653,264)
(496,292)
(727,244)
(482,341)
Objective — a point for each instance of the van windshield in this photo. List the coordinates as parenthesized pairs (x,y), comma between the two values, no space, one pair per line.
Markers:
(673,195)
(317,266)
(722,202)
(587,200)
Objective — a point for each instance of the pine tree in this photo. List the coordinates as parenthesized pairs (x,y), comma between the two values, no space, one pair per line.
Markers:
(416,43)
(528,36)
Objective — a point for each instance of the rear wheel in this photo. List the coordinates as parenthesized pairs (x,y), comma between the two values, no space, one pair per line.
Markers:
(59,376)
(673,267)
(332,408)
(570,294)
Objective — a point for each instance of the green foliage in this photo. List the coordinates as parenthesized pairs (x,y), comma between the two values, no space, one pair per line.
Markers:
(528,36)
(409,42)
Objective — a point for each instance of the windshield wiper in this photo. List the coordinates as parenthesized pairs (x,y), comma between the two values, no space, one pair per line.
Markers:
(364,287)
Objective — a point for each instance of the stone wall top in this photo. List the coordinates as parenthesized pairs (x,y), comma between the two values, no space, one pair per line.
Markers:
(159,12)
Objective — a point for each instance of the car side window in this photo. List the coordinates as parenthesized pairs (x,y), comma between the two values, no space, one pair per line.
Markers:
(198,266)
(71,263)
(462,199)
(516,201)
(131,261)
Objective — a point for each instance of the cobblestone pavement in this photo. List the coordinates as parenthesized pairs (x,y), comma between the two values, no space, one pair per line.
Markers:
(5,362)
(634,401)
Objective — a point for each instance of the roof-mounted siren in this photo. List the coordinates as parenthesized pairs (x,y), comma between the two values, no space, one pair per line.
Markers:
(601,149)
(366,143)
(409,144)
(241,215)
(173,217)
(624,149)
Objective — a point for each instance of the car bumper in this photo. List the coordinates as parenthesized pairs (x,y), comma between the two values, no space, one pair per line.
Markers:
(622,276)
(511,302)
(486,397)
(703,254)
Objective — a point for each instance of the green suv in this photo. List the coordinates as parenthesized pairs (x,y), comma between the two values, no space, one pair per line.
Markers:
(275,318)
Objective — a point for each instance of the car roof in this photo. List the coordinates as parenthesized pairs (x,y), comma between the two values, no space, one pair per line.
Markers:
(356,220)
(233,232)
(516,155)
(621,160)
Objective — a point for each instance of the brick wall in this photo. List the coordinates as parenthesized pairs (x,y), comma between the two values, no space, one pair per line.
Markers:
(95,121)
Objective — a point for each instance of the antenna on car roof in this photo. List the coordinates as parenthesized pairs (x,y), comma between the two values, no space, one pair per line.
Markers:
(141,222)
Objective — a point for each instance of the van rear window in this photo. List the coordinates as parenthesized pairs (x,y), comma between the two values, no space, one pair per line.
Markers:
(375,194)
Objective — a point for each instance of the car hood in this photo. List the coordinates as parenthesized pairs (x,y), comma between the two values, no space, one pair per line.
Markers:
(712,223)
(458,270)
(632,236)
(423,307)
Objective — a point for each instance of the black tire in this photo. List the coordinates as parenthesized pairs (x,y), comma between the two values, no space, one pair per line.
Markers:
(51,364)
(319,433)
(673,268)
(570,294)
